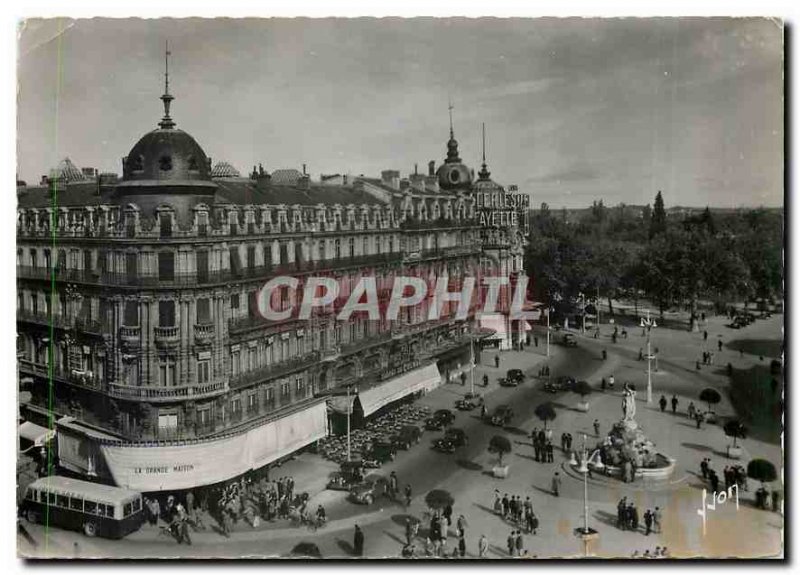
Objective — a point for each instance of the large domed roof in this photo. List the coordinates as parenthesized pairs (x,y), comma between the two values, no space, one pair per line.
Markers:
(166,156)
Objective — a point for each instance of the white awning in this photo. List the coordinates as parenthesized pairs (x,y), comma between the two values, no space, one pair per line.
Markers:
(36,434)
(372,399)
(187,464)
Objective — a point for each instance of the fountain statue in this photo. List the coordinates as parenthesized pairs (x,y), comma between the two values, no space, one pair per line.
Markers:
(628,403)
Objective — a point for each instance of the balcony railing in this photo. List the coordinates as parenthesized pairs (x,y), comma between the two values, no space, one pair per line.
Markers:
(162,394)
(275,370)
(62,321)
(95,277)
(130,334)
(86,379)
(203,332)
(167,335)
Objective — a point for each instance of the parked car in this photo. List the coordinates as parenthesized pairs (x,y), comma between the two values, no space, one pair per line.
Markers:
(570,340)
(441,418)
(561,383)
(506,382)
(469,402)
(502,415)
(457,436)
(710,417)
(515,375)
(364,493)
(406,437)
(382,451)
(444,445)
(350,473)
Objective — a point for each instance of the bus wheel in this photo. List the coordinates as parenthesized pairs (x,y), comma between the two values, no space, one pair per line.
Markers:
(90,529)
(32,516)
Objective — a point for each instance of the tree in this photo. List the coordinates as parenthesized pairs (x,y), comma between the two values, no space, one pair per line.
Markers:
(658,220)
(439,499)
(735,429)
(761,470)
(500,445)
(582,388)
(546,412)
(711,396)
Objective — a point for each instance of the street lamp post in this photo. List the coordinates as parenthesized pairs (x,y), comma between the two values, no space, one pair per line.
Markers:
(349,412)
(585,533)
(472,371)
(548,332)
(648,324)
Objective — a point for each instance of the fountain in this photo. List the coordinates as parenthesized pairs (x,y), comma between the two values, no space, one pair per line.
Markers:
(626,442)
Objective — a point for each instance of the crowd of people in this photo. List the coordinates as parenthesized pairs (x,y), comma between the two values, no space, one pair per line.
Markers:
(628,517)
(542,445)
(516,511)
(659,553)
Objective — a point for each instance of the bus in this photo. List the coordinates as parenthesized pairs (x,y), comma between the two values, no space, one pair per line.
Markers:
(94,508)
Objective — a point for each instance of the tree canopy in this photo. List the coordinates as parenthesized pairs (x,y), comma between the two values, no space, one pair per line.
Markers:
(761,470)
(500,445)
(546,412)
(439,499)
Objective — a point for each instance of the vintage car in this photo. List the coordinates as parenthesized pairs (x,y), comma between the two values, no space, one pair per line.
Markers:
(570,340)
(502,415)
(364,493)
(444,445)
(469,402)
(406,437)
(350,473)
(506,382)
(456,436)
(561,383)
(383,450)
(441,418)
(515,375)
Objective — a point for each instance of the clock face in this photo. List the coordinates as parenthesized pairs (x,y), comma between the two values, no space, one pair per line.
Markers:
(454,176)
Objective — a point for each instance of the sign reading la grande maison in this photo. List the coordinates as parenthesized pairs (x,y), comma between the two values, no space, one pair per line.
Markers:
(156,469)
(503,208)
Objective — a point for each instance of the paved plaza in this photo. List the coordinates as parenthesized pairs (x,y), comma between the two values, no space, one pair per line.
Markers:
(467,473)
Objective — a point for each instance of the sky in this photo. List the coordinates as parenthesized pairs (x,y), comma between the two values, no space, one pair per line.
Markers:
(576,110)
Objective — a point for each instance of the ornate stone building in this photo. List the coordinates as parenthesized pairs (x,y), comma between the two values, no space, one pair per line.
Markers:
(136,310)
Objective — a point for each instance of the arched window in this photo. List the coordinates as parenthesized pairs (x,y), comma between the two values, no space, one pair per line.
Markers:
(193,164)
(165,163)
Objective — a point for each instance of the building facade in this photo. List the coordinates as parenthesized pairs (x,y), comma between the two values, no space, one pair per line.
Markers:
(139,334)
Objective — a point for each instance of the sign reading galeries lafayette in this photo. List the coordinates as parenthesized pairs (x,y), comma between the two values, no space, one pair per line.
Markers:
(188,465)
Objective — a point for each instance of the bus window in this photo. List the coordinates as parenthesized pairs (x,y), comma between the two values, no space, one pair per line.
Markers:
(89,507)
(52,497)
(137,505)
(127,509)
(30,494)
(105,510)
(76,504)
(62,501)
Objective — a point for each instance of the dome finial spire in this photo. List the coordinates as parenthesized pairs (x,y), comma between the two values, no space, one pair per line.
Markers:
(166,122)
(450,111)
(484,173)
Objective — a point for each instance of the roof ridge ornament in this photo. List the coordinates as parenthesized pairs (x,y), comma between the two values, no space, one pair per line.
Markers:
(166,122)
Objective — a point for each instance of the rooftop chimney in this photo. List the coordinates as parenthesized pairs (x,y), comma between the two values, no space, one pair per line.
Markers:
(432,168)
(304,169)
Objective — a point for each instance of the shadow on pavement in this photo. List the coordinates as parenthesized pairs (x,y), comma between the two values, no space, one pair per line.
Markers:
(697,446)
(469,465)
(606,518)
(516,431)
(401,519)
(345,546)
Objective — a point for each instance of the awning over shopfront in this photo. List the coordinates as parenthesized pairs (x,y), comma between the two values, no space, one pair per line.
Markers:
(191,463)
(36,434)
(372,399)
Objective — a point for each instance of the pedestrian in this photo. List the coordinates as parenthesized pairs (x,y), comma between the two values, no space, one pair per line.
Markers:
(483,546)
(536,340)
(408,495)
(697,367)
(657,520)
(714,481)
(520,544)
(556,484)
(461,525)
(483,411)
(611,381)
(641,354)
(603,384)
(534,522)
(699,419)
(626,471)
(634,518)
(605,353)
(648,522)
(621,507)
(705,335)
(691,410)
(462,544)
(358,541)
(674,404)
(776,500)
(719,345)
(485,380)
(511,543)
(704,468)
(463,379)
(596,425)
(497,361)
(505,505)
(409,532)
(549,452)
(662,403)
